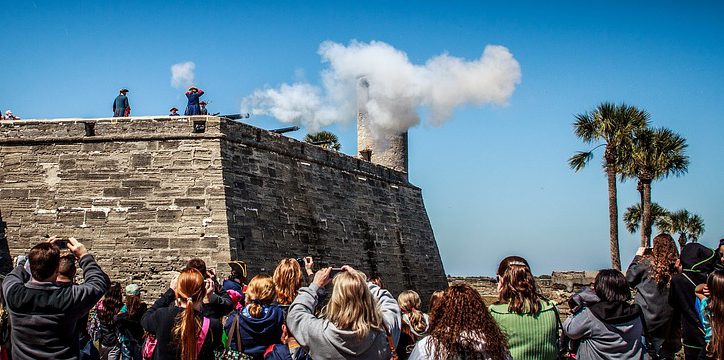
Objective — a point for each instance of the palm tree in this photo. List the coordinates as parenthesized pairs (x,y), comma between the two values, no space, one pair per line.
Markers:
(689,226)
(614,126)
(324,139)
(632,216)
(654,154)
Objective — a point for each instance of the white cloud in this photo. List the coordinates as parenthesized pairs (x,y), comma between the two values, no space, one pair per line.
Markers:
(397,87)
(182,74)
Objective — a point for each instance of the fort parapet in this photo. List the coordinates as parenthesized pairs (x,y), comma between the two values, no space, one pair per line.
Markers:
(146,194)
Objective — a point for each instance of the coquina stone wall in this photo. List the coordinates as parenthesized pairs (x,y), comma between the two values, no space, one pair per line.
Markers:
(147,194)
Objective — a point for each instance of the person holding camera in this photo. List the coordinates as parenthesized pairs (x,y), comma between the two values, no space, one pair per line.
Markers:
(44,314)
(650,274)
(360,321)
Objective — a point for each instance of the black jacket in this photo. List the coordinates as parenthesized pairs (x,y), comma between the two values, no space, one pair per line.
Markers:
(652,297)
(697,261)
(45,315)
(160,320)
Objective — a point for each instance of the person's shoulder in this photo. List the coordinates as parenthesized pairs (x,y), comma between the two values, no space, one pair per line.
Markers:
(498,308)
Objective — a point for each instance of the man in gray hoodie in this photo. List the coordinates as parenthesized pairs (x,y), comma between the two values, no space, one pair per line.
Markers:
(44,314)
(326,341)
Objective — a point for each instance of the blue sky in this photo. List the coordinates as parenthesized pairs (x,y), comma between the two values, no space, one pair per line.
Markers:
(494,178)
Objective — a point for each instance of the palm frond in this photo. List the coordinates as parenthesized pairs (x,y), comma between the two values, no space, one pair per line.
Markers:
(580,159)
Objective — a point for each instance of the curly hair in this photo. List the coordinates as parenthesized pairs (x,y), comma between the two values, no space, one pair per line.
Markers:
(462,324)
(518,288)
(663,259)
(288,279)
(112,303)
(715,309)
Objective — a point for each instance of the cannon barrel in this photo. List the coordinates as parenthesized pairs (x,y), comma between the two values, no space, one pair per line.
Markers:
(285,129)
(234,116)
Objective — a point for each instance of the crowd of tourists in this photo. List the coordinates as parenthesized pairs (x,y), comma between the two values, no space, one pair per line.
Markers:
(194,106)
(299,312)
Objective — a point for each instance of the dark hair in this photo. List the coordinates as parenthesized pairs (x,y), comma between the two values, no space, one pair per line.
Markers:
(66,266)
(518,290)
(199,265)
(461,322)
(133,304)
(44,259)
(377,280)
(715,283)
(112,302)
(610,285)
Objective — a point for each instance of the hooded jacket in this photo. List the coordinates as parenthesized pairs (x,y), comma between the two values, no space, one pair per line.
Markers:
(256,333)
(608,331)
(697,261)
(326,341)
(651,296)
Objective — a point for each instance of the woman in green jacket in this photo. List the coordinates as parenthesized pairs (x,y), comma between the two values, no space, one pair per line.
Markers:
(529,320)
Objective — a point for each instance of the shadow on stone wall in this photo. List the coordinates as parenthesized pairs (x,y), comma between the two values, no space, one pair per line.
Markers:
(6,260)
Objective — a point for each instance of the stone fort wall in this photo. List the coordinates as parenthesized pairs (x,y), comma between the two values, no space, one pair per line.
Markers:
(146,194)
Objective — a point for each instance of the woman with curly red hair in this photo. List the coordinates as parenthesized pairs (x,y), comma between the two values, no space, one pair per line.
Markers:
(462,329)
(650,274)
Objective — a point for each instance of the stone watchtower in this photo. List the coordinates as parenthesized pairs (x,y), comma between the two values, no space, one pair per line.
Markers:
(388,150)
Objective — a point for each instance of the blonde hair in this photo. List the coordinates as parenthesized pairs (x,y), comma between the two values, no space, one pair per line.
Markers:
(260,292)
(189,290)
(352,306)
(288,279)
(410,304)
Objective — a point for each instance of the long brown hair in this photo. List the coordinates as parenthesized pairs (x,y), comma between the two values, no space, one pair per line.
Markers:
(260,292)
(288,279)
(410,304)
(715,283)
(133,304)
(112,302)
(663,258)
(189,290)
(462,322)
(518,289)
(352,306)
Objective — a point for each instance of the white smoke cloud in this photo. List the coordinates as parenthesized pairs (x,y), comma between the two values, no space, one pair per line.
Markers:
(182,74)
(397,88)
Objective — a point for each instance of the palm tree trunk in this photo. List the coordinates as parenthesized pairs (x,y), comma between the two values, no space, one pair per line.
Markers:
(682,241)
(646,215)
(613,215)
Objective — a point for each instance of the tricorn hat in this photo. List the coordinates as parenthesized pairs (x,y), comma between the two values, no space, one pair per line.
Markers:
(123,90)
(173,109)
(202,102)
(193,88)
(238,267)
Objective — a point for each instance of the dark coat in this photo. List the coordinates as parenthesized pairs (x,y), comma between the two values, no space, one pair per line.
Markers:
(160,320)
(120,105)
(193,107)
(45,316)
(653,298)
(257,333)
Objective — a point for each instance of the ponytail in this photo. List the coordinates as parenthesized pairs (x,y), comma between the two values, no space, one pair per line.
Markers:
(189,290)
(261,291)
(410,303)
(417,321)
(188,330)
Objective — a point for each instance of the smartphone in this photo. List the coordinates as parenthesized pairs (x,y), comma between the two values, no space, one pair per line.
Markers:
(336,271)
(62,244)
(648,251)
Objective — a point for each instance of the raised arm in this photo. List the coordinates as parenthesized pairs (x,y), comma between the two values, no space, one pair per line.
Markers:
(577,325)
(95,283)
(390,310)
(17,277)
(152,316)
(635,271)
(307,328)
